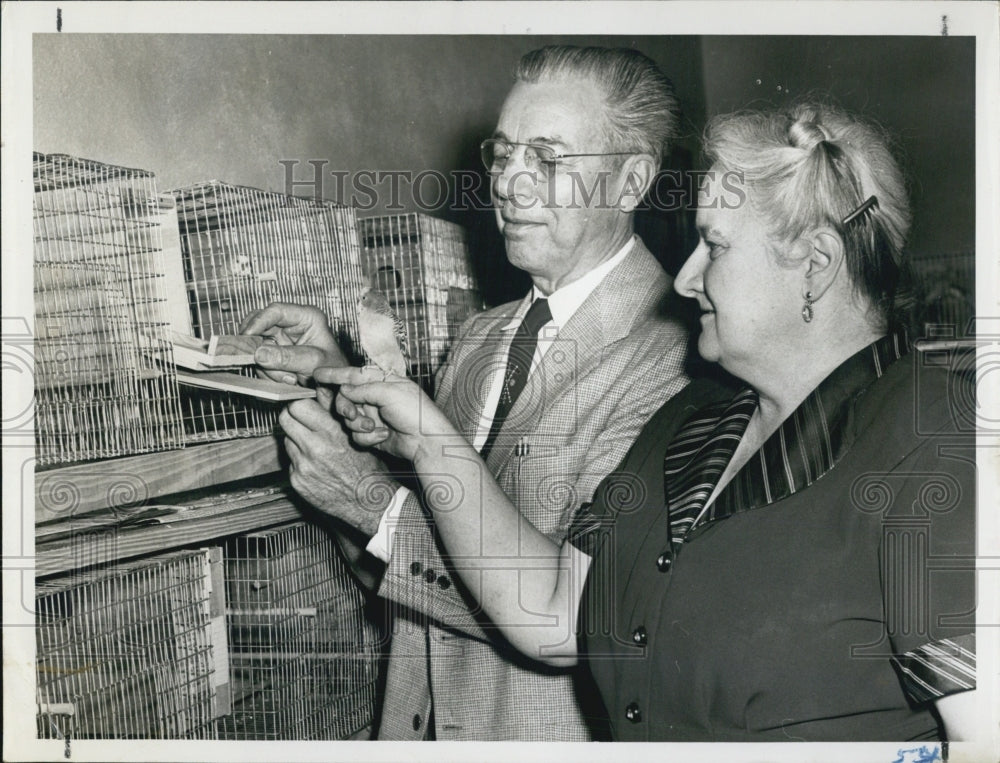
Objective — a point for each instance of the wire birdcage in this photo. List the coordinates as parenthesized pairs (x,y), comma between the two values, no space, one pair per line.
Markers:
(104,379)
(243,248)
(422,265)
(303,653)
(126,652)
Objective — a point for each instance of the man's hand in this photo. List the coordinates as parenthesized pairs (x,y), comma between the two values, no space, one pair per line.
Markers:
(290,365)
(328,472)
(303,341)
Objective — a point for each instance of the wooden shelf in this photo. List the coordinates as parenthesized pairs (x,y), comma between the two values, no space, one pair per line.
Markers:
(111,544)
(69,491)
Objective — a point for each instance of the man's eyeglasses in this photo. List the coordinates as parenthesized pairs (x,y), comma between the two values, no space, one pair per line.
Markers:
(537,156)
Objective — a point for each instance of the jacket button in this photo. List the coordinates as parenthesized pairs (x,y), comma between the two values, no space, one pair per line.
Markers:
(663,561)
(416,568)
(430,576)
(444,582)
(632,712)
(416,723)
(639,635)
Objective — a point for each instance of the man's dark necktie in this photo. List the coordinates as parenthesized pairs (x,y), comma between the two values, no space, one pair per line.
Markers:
(522,350)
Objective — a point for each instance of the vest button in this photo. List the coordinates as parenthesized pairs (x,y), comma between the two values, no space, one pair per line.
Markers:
(639,635)
(663,561)
(632,712)
(416,723)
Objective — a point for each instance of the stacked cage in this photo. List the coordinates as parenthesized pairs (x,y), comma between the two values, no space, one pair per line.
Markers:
(104,380)
(243,248)
(303,654)
(423,267)
(127,652)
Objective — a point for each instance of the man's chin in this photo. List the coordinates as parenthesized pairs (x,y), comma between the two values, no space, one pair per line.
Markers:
(521,253)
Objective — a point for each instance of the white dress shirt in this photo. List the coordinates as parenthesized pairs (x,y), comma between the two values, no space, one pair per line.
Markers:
(563,303)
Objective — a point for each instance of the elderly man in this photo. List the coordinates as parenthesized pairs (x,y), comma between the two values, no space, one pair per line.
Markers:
(551,389)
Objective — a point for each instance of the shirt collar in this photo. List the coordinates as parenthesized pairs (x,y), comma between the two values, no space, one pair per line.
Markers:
(566,300)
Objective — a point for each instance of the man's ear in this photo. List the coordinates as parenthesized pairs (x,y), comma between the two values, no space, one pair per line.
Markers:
(821,254)
(637,174)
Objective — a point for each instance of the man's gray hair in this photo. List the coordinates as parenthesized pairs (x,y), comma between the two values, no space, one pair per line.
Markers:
(641,104)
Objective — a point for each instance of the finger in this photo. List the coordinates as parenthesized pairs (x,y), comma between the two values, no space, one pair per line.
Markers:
(346,375)
(277,336)
(294,453)
(324,396)
(371,412)
(363,419)
(266,319)
(375,393)
(250,321)
(311,415)
(293,429)
(346,408)
(361,424)
(278,376)
(371,439)
(288,359)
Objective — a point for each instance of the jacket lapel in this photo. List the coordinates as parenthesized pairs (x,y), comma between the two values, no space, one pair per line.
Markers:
(629,293)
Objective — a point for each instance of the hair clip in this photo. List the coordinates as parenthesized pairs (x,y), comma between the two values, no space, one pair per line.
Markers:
(871,203)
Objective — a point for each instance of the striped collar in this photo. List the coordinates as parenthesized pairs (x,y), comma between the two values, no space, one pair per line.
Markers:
(807,445)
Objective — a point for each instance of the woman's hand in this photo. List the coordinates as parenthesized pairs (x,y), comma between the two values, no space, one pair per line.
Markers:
(408,422)
(528,585)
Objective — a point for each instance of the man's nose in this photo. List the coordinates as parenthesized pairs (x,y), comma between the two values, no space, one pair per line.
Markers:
(518,176)
(511,184)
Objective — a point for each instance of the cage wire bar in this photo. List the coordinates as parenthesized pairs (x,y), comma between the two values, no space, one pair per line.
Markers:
(104,379)
(422,265)
(303,654)
(126,653)
(244,248)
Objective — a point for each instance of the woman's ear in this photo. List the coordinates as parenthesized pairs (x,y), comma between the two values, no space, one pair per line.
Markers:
(637,175)
(822,254)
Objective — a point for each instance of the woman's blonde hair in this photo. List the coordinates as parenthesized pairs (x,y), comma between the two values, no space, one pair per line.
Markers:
(812,165)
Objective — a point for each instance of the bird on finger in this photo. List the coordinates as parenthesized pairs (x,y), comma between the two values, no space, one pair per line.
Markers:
(383,334)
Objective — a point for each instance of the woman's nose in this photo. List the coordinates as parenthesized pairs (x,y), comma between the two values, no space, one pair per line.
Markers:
(690,280)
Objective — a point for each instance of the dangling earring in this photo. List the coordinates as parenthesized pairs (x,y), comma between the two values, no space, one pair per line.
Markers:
(807,308)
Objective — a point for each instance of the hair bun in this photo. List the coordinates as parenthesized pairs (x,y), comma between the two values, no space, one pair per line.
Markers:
(806,133)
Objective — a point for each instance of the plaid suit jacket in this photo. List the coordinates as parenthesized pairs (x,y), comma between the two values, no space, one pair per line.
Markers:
(611,367)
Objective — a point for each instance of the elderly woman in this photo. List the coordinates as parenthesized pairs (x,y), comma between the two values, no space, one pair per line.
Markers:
(782,558)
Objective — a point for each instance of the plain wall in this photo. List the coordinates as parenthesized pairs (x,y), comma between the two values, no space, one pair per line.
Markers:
(198,107)
(921,89)
(193,108)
